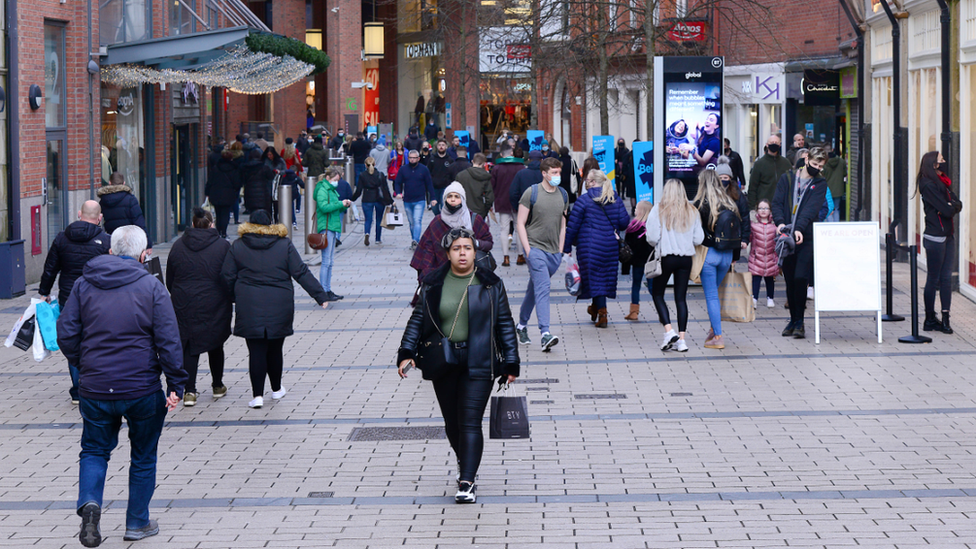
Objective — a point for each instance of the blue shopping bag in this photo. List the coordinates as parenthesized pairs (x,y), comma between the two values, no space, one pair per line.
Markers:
(47,324)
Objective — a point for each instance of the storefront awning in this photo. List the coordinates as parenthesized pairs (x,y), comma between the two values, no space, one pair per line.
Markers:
(241,59)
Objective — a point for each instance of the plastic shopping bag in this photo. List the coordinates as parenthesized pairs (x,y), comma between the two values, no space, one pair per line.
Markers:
(40,352)
(16,330)
(47,324)
(573,279)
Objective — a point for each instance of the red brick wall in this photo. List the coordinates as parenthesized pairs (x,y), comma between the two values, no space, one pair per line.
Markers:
(343,41)
(288,114)
(387,14)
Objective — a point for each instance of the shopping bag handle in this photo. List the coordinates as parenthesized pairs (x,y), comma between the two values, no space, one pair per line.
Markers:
(504,386)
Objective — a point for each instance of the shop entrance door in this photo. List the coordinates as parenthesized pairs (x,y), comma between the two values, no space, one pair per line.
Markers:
(55,190)
(181,170)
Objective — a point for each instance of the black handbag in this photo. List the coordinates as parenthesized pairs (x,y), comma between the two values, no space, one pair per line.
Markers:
(624,253)
(435,354)
(485,260)
(25,336)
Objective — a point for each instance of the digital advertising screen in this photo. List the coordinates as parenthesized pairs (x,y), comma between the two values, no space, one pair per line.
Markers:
(692,115)
(644,170)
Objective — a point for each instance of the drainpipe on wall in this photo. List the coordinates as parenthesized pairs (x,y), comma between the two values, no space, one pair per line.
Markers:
(91,111)
(861,164)
(13,119)
(899,185)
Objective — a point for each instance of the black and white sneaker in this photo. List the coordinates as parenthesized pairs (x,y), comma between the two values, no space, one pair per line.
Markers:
(91,535)
(465,493)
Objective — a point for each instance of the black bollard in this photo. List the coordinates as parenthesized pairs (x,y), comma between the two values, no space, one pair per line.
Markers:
(890,290)
(914,338)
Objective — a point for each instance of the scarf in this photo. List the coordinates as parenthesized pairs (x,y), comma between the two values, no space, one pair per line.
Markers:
(945,180)
(460,218)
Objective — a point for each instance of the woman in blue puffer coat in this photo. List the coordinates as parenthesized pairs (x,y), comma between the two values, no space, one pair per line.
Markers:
(594,224)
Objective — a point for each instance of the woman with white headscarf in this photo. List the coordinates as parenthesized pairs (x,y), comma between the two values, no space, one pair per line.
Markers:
(430,255)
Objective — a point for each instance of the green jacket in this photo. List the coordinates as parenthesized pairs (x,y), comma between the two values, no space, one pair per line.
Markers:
(835,172)
(316,160)
(329,208)
(763,178)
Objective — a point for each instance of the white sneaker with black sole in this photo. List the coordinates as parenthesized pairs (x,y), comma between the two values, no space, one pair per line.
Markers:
(681,346)
(465,493)
(670,339)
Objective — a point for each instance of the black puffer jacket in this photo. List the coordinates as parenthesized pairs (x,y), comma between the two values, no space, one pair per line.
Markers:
(202,303)
(223,183)
(256,178)
(69,253)
(121,208)
(258,271)
(492,346)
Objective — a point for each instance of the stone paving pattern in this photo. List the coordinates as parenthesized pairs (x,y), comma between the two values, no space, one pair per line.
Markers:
(772,442)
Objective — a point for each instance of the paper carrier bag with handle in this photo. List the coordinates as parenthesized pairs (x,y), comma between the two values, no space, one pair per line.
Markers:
(509,416)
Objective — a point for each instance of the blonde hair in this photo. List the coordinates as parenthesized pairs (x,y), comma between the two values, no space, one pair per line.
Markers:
(370,162)
(713,194)
(674,209)
(289,152)
(642,210)
(598,178)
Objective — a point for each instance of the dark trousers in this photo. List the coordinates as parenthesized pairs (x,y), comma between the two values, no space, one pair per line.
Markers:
(265,360)
(796,289)
(237,212)
(770,286)
(680,267)
(599,302)
(223,218)
(191,363)
(938,258)
(100,435)
(637,274)
(462,401)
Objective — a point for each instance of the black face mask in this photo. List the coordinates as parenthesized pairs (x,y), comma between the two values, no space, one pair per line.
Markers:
(773,148)
(452,209)
(728,152)
(812,172)
(943,167)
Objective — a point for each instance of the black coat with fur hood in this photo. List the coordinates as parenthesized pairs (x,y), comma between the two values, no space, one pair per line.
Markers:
(258,271)
(120,208)
(492,343)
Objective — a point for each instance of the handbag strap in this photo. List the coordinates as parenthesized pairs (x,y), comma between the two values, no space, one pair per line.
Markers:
(461,303)
(615,233)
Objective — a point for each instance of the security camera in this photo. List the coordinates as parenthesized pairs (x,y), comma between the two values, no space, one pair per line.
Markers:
(335,9)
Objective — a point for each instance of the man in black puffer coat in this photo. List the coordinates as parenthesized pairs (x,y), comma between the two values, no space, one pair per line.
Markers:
(69,253)
(120,207)
(256,177)
(224,189)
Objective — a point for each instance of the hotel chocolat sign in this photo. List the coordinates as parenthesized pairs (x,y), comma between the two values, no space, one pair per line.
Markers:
(820,87)
(421,49)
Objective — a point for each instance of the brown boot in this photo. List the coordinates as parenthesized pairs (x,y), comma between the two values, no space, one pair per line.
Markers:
(602,320)
(506,262)
(520,260)
(592,311)
(634,312)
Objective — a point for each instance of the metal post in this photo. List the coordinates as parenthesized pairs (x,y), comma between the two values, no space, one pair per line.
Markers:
(309,211)
(889,276)
(914,338)
(285,207)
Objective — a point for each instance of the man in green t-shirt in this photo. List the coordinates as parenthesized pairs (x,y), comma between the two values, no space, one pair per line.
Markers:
(542,239)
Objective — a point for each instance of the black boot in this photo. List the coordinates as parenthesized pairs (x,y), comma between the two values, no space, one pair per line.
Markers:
(946,329)
(932,323)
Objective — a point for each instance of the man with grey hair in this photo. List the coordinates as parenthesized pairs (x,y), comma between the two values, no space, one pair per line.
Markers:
(119,327)
(70,251)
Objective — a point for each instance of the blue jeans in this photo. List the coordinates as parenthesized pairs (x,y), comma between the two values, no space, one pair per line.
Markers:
(713,272)
(369,208)
(439,197)
(542,265)
(637,278)
(102,422)
(415,217)
(328,258)
(359,168)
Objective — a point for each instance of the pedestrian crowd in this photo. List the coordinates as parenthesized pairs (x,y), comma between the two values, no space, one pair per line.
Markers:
(120,329)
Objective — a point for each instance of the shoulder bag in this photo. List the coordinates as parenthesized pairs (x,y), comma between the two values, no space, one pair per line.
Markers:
(625,254)
(435,355)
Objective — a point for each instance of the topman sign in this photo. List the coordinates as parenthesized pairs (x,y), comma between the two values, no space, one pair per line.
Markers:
(421,49)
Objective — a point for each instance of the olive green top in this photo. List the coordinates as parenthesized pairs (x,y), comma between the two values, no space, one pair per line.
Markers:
(455,288)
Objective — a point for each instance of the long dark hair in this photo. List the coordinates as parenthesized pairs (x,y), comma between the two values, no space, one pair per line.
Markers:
(926,169)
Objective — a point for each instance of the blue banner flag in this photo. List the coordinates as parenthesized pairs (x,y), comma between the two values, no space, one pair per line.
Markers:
(535,138)
(603,152)
(644,170)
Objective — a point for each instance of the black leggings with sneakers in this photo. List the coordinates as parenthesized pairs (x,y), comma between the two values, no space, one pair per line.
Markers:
(265,359)
(462,401)
(680,267)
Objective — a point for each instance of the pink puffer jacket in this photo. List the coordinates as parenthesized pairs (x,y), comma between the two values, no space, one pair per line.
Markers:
(762,256)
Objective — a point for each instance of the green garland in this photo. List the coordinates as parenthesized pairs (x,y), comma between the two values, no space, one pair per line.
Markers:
(282,46)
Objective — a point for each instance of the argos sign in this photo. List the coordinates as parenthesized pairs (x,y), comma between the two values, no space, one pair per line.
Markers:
(688,31)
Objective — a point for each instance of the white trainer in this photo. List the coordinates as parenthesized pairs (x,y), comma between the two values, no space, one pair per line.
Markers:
(669,339)
(755,303)
(257,402)
(681,346)
(278,395)
(770,303)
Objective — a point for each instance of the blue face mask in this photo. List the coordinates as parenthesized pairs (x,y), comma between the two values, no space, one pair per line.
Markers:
(556,180)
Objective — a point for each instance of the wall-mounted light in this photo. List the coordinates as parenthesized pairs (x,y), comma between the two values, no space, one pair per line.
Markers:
(35,97)
(373,40)
(92,67)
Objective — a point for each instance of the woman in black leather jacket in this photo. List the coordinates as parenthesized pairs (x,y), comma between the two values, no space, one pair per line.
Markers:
(469,306)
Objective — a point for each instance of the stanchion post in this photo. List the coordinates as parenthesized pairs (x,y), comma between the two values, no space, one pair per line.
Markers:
(889,279)
(915,337)
(285,208)
(309,211)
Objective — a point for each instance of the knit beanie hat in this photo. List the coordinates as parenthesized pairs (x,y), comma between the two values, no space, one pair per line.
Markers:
(260,217)
(723,167)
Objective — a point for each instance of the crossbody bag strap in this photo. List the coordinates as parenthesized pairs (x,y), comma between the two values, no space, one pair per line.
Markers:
(615,233)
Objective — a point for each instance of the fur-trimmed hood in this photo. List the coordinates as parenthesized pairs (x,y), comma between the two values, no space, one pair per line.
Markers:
(109,189)
(254,228)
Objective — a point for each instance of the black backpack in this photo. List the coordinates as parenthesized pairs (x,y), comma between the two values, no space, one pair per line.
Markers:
(728,230)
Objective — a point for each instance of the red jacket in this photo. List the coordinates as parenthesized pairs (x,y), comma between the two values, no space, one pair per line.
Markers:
(763,260)
(396,162)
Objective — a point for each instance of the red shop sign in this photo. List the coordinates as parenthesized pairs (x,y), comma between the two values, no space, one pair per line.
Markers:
(519,51)
(688,31)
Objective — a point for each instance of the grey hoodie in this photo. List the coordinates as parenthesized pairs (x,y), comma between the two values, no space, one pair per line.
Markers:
(382,157)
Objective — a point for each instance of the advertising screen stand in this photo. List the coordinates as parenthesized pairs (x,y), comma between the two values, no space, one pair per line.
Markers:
(847,268)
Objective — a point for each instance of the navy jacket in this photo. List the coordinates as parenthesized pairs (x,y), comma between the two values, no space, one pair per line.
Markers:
(414,183)
(69,253)
(521,183)
(120,328)
(591,228)
(121,208)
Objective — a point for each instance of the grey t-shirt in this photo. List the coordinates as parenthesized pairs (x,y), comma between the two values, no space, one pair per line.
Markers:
(543,230)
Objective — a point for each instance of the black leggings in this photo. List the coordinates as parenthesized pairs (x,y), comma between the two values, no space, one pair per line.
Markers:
(265,359)
(192,362)
(938,259)
(796,289)
(770,285)
(223,218)
(680,267)
(462,401)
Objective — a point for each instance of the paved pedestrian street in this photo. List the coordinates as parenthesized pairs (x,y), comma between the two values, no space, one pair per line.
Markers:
(772,442)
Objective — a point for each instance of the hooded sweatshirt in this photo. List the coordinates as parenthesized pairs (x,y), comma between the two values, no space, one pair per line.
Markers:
(69,253)
(477,186)
(382,157)
(120,328)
